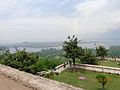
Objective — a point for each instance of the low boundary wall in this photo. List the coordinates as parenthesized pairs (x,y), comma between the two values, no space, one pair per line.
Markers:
(96,68)
(33,81)
(61,67)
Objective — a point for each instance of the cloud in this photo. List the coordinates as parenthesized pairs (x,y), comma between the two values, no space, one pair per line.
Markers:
(38,29)
(97,16)
(40,23)
(89,7)
(57,18)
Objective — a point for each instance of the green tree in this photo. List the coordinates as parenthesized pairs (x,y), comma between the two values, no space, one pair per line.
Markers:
(71,48)
(88,57)
(101,52)
(102,79)
(21,60)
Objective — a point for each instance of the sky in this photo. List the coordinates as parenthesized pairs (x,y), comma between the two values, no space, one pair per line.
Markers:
(54,20)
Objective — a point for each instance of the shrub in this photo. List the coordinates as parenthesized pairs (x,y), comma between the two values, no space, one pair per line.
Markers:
(88,57)
(102,79)
(29,62)
(21,60)
(49,75)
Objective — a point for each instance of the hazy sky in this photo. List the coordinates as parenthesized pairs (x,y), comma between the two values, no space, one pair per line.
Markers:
(54,20)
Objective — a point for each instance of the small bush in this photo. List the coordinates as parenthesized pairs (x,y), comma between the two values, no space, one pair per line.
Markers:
(102,79)
(49,75)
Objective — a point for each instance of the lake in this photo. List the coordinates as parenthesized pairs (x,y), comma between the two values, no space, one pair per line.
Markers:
(84,44)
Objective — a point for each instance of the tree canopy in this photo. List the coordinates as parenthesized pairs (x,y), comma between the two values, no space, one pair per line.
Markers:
(71,48)
(88,57)
(101,52)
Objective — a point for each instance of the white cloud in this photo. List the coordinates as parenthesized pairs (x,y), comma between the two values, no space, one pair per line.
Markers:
(89,16)
(40,23)
(89,7)
(95,16)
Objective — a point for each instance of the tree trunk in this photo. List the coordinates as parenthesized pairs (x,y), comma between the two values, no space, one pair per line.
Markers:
(74,63)
(103,85)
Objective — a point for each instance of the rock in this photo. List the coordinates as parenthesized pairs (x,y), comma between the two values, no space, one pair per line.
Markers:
(82,78)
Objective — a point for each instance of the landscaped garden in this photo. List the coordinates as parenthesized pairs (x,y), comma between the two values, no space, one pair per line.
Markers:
(89,82)
(44,64)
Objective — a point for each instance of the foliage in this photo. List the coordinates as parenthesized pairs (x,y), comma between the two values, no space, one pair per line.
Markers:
(2,49)
(101,52)
(45,63)
(49,75)
(21,60)
(102,79)
(49,52)
(88,57)
(71,48)
(114,51)
(29,62)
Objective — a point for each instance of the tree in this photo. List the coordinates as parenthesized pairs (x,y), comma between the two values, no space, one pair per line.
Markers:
(21,60)
(101,52)
(88,57)
(71,48)
(102,79)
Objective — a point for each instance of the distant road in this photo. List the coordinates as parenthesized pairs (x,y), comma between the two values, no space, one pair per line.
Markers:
(8,84)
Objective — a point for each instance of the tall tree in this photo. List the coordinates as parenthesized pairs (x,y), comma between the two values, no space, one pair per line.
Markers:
(71,48)
(101,52)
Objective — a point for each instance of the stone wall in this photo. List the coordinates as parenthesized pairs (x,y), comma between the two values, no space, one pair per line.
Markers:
(33,81)
(97,68)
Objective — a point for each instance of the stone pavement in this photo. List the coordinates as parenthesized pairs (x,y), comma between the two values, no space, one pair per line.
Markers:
(8,84)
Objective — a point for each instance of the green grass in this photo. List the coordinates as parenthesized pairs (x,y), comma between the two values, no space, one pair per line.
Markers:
(109,63)
(71,77)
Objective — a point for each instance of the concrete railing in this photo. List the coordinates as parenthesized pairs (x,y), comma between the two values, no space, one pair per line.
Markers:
(113,59)
(61,67)
(97,68)
(33,81)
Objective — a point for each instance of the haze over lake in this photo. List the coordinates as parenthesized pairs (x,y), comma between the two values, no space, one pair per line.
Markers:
(36,46)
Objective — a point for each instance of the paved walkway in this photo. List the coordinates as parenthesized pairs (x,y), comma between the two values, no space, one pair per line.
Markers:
(8,84)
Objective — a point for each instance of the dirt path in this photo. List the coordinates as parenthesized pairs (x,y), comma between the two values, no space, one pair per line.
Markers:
(8,84)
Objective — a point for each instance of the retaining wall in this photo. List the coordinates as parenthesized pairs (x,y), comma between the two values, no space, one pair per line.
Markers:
(33,81)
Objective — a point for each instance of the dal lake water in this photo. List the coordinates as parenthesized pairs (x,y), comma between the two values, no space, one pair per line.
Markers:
(84,44)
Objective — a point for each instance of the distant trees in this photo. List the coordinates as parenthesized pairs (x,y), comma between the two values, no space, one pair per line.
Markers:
(71,48)
(114,51)
(52,52)
(101,52)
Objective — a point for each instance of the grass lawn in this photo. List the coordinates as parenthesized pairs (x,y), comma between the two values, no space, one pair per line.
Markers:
(109,63)
(90,83)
